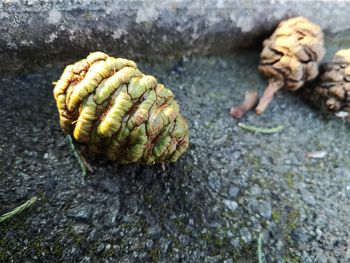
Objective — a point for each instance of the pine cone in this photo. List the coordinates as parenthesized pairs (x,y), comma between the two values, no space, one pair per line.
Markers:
(290,57)
(109,105)
(332,91)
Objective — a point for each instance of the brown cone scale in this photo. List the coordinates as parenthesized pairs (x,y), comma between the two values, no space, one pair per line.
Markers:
(290,57)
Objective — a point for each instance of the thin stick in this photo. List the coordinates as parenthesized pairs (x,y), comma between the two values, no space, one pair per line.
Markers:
(267,97)
(86,163)
(316,155)
(18,209)
(259,249)
(250,101)
(77,155)
(259,129)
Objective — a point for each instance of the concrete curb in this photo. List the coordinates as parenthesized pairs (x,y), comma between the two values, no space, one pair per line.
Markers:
(36,32)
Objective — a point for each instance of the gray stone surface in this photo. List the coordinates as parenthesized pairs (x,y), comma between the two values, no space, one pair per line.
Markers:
(36,32)
(210,206)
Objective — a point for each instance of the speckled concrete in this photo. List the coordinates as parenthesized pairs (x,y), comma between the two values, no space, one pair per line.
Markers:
(38,32)
(231,185)
(210,206)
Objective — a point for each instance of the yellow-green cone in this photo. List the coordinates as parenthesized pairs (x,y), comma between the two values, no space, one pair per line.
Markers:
(109,105)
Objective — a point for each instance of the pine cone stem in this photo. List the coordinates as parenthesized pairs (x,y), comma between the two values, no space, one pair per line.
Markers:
(250,100)
(268,95)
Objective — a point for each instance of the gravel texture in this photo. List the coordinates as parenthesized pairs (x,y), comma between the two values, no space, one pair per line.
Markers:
(210,206)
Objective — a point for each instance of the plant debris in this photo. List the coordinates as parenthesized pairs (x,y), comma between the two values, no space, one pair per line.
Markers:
(260,254)
(290,57)
(110,106)
(18,209)
(316,155)
(78,156)
(250,101)
(260,129)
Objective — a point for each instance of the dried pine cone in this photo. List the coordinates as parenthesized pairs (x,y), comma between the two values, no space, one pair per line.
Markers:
(332,91)
(109,105)
(290,57)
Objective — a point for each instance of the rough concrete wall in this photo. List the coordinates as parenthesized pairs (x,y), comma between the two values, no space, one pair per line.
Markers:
(35,30)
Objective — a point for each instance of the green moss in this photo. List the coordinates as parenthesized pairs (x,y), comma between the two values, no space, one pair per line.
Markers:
(246,254)
(18,226)
(87,15)
(219,245)
(293,219)
(276,216)
(57,250)
(290,258)
(75,238)
(181,226)
(264,223)
(289,177)
(108,253)
(155,253)
(216,94)
(289,224)
(175,242)
(208,125)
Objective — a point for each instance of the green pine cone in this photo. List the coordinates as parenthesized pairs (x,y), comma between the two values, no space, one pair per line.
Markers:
(109,105)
